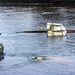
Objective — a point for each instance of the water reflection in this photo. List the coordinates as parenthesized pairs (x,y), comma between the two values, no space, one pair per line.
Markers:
(57,39)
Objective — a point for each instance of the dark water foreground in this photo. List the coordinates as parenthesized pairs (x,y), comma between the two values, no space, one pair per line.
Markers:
(20,47)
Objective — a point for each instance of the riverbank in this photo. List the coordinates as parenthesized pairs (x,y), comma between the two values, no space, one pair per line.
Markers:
(37,4)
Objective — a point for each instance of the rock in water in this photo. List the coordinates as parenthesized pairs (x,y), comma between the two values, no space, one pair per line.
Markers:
(1,48)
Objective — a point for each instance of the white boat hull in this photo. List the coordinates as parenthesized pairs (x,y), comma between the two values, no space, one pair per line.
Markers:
(55,29)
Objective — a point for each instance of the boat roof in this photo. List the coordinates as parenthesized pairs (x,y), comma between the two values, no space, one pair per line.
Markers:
(55,24)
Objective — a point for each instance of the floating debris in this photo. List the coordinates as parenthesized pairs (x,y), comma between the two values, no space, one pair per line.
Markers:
(37,58)
(56,29)
(57,59)
(53,29)
(40,58)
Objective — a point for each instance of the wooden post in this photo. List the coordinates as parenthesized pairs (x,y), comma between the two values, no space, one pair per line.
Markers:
(70,30)
(45,31)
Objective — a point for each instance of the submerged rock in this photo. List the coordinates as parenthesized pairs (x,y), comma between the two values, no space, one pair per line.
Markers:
(1,48)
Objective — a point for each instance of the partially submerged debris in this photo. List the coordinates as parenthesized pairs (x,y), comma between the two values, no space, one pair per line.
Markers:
(2,56)
(56,29)
(1,48)
(58,59)
(40,58)
(37,58)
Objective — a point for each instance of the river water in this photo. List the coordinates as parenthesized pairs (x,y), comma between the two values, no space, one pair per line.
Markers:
(20,47)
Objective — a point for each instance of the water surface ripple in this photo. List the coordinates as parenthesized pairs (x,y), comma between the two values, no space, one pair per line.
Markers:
(20,47)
